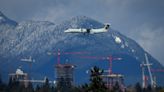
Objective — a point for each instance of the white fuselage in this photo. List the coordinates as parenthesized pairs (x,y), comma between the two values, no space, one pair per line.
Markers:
(90,31)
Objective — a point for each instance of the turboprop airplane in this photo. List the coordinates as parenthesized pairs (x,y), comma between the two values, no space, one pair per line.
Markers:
(89,31)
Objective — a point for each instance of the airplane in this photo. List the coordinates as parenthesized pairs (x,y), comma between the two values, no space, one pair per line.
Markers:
(89,31)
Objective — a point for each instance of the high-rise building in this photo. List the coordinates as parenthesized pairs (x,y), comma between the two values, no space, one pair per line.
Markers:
(64,75)
(18,76)
(112,80)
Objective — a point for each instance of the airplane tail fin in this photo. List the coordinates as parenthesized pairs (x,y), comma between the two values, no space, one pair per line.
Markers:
(107,26)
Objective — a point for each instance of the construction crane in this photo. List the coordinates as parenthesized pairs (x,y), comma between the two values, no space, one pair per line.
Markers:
(149,70)
(111,78)
(144,77)
(157,70)
(28,60)
(59,53)
(154,77)
(38,81)
(109,58)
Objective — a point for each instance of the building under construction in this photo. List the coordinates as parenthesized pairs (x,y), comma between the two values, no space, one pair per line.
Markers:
(18,76)
(64,75)
(112,80)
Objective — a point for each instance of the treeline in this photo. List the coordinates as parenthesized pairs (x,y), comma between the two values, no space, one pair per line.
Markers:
(16,86)
(96,84)
(137,88)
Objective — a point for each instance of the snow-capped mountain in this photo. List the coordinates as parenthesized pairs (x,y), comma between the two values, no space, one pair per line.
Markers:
(36,38)
(4,20)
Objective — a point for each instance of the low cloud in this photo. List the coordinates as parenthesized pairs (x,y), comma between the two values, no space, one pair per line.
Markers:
(151,38)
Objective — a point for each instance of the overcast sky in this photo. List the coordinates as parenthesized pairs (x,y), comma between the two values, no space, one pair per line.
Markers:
(141,20)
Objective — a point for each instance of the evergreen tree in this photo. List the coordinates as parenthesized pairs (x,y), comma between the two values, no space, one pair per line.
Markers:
(29,88)
(149,89)
(10,83)
(53,89)
(96,82)
(3,86)
(37,88)
(138,87)
(16,86)
(13,85)
(63,85)
(0,79)
(85,88)
(60,84)
(116,88)
(45,87)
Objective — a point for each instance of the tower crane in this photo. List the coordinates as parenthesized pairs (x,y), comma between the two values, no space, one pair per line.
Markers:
(149,70)
(144,77)
(38,81)
(109,58)
(28,60)
(154,77)
(59,53)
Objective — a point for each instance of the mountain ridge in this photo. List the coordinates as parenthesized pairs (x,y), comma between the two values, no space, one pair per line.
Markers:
(6,20)
(36,38)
